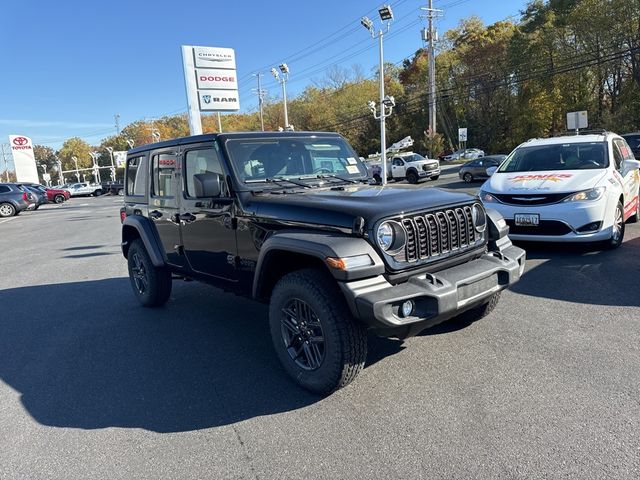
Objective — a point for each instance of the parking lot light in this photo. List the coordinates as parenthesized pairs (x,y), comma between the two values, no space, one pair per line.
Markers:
(367,23)
(385,13)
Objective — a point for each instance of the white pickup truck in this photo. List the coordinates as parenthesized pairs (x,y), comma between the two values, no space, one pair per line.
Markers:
(85,189)
(408,165)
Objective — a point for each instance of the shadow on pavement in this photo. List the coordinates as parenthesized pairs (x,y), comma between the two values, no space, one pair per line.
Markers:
(583,273)
(86,355)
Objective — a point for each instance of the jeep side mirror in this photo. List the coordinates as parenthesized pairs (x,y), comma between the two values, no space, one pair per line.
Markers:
(207,185)
(491,170)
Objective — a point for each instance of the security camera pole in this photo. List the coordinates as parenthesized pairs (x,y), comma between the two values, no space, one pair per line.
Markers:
(386,15)
(282,79)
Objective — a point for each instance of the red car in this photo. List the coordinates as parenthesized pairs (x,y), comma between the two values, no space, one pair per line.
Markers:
(54,195)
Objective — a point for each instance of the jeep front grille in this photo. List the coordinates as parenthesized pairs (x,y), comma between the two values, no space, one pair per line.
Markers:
(434,234)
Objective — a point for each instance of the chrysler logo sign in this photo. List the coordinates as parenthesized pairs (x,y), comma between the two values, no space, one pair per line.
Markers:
(214,57)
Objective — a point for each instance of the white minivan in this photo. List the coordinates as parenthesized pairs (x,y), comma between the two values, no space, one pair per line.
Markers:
(578,188)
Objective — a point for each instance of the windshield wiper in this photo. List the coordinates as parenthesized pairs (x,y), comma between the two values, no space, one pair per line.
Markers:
(337,177)
(278,181)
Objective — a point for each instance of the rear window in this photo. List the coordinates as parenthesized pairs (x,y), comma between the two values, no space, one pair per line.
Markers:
(566,156)
(135,177)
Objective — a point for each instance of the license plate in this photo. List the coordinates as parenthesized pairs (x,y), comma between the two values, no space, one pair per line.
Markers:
(527,219)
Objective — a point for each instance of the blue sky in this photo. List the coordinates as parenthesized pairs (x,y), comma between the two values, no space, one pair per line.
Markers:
(69,66)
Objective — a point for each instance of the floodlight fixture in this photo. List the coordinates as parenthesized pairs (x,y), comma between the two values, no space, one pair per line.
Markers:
(372,105)
(283,68)
(275,73)
(367,23)
(385,13)
(389,101)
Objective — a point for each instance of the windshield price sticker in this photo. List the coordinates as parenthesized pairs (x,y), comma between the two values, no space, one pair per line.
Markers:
(351,161)
(352,169)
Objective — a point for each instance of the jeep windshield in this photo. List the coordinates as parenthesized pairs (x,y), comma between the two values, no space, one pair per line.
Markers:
(295,159)
(560,156)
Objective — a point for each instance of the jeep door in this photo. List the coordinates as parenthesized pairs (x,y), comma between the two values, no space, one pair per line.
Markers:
(163,204)
(207,224)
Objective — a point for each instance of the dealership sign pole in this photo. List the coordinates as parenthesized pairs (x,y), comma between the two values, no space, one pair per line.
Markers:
(24,160)
(210,81)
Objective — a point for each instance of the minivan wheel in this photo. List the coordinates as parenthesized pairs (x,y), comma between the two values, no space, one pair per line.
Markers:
(412,177)
(617,234)
(151,285)
(58,199)
(318,342)
(467,177)
(7,210)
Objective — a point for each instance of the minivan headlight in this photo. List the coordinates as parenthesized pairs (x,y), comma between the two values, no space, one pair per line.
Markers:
(586,195)
(487,197)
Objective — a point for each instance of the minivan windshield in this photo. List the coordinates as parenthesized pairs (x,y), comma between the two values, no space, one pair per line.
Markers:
(560,156)
(258,160)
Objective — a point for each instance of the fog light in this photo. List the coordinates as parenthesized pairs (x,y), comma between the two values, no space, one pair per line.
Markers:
(407,308)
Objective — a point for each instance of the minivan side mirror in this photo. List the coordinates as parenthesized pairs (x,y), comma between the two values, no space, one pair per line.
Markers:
(491,170)
(629,165)
(207,185)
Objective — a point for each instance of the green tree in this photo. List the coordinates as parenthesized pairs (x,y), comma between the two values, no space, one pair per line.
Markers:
(75,147)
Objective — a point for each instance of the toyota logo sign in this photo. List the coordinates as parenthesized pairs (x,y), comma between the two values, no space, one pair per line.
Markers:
(20,141)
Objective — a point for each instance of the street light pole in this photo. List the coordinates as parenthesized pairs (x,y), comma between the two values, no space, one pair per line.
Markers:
(96,170)
(113,165)
(430,35)
(282,79)
(386,103)
(75,160)
(260,93)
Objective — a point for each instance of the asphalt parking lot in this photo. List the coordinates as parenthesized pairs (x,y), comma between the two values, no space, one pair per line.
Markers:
(94,386)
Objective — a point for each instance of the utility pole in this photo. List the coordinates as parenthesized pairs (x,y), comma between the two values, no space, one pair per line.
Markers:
(431,36)
(116,117)
(260,93)
(6,163)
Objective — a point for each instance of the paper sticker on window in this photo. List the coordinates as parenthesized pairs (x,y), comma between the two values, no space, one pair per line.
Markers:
(352,169)
(351,160)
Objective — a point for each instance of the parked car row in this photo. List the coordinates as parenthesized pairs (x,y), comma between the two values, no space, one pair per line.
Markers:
(17,197)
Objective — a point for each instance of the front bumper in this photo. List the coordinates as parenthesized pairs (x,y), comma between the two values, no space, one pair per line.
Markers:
(437,297)
(573,215)
(428,173)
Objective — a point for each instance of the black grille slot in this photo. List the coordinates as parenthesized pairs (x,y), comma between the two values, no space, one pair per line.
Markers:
(535,199)
(432,234)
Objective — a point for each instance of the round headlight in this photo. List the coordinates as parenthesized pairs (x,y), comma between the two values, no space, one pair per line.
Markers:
(385,236)
(479,218)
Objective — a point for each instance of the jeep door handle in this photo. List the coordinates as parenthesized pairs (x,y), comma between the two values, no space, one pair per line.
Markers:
(155,214)
(187,217)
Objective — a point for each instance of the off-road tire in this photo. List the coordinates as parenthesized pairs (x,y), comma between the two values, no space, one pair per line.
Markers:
(412,177)
(58,199)
(435,177)
(476,313)
(97,193)
(7,210)
(467,177)
(377,178)
(614,242)
(158,279)
(345,340)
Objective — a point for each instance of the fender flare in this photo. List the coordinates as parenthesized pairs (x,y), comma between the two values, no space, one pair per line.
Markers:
(148,234)
(318,245)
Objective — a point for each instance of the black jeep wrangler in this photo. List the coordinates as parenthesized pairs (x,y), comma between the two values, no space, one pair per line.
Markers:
(292,219)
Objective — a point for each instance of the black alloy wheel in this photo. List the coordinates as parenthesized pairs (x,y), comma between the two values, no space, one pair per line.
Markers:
(151,285)
(412,177)
(302,334)
(467,177)
(58,199)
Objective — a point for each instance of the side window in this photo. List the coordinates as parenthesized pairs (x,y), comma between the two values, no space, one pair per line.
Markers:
(4,189)
(200,161)
(626,152)
(164,164)
(617,155)
(136,176)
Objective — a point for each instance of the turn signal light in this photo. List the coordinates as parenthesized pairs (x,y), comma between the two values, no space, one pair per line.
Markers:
(123,215)
(347,263)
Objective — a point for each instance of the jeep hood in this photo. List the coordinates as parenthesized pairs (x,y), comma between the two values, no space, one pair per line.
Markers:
(341,206)
(544,181)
